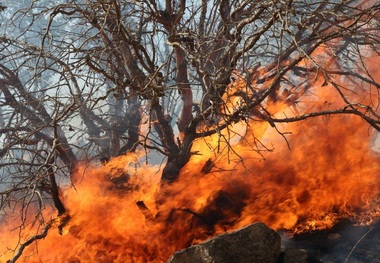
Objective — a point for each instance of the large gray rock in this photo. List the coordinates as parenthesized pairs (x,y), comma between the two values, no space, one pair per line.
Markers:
(254,243)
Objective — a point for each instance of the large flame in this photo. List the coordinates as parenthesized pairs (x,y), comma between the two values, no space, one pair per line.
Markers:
(119,212)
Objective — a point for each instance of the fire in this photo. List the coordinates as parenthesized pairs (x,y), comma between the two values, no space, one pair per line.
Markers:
(119,212)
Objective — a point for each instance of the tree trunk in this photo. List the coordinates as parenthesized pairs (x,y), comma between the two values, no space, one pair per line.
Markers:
(54,190)
(177,161)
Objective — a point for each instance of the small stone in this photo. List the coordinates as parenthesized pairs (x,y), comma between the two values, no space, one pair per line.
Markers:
(334,236)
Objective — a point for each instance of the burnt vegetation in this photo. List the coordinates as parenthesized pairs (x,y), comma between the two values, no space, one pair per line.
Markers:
(93,80)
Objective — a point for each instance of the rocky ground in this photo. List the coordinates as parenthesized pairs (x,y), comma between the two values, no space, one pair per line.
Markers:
(257,243)
(344,243)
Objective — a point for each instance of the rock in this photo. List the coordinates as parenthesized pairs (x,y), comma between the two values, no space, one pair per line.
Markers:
(296,256)
(254,243)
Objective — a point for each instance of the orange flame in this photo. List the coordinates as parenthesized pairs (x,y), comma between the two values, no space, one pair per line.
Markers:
(119,212)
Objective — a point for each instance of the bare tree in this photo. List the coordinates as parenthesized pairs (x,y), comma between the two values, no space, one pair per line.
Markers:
(79,79)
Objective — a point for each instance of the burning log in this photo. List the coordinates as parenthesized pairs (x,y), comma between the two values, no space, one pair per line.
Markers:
(170,172)
(208,166)
(145,210)
(63,220)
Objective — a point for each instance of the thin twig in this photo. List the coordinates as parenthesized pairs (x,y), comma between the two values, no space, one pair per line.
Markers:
(30,241)
(357,243)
